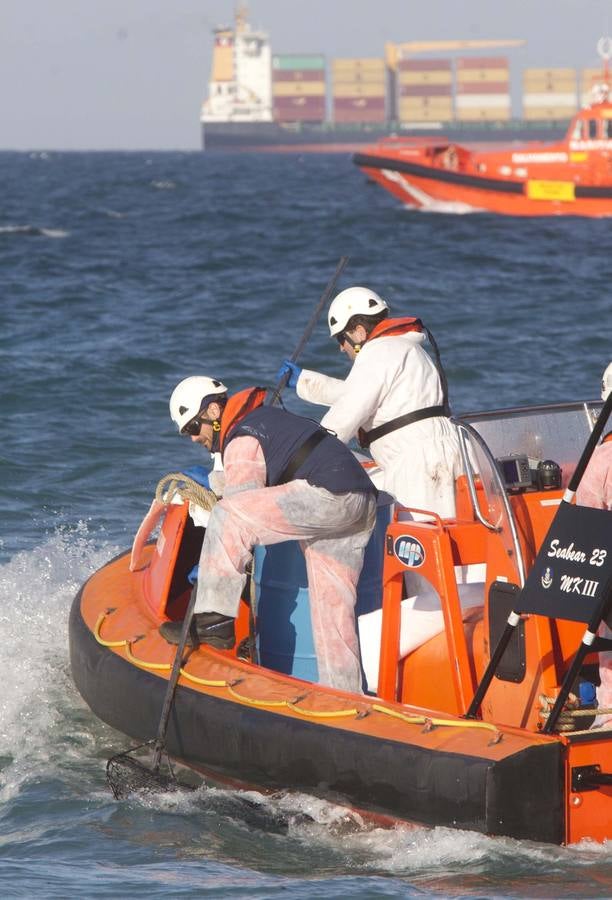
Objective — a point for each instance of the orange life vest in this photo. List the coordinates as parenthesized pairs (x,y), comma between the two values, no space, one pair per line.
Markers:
(392,327)
(237,407)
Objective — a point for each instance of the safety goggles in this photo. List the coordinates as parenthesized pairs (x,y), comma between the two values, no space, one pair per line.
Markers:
(194,426)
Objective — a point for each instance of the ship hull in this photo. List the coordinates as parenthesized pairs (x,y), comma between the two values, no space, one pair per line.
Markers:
(328,138)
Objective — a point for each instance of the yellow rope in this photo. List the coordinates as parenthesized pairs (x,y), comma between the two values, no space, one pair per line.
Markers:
(566,721)
(143,662)
(253,702)
(337,714)
(315,714)
(427,720)
(178,483)
(205,681)
(166,666)
(288,704)
(548,703)
(100,639)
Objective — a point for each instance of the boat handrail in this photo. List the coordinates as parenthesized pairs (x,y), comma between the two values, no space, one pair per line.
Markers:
(464,429)
(509,411)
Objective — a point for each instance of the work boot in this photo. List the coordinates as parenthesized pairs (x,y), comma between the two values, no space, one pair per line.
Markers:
(206,628)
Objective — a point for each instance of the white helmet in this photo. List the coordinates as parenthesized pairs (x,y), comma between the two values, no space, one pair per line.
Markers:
(606,382)
(192,395)
(352,302)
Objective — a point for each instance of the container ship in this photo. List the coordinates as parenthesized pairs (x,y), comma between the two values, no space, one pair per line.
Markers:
(263,101)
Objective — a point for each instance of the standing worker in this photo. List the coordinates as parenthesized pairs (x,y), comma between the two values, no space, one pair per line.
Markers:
(595,489)
(286,478)
(394,399)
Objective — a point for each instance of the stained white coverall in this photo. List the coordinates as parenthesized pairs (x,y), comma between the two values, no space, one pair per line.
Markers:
(333,531)
(595,489)
(392,376)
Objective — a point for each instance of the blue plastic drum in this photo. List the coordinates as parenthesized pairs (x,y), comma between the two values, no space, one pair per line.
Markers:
(284,631)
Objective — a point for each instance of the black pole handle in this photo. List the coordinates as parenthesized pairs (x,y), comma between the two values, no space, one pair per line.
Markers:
(323,301)
(592,442)
(172,682)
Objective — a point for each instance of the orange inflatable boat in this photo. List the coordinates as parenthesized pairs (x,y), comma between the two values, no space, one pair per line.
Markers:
(478,700)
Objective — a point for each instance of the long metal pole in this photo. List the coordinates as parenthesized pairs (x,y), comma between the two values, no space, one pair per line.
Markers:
(323,301)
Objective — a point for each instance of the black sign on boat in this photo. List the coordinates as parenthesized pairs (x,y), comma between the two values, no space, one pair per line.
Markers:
(572,574)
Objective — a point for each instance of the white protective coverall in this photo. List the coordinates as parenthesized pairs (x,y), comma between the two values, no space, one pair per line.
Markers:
(392,376)
(333,531)
(595,489)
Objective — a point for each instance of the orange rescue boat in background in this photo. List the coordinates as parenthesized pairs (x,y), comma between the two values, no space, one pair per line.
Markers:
(572,177)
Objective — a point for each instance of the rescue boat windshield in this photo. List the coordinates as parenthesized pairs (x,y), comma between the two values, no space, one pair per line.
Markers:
(558,432)
(518,450)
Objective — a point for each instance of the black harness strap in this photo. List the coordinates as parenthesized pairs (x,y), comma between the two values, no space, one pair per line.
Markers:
(428,412)
(301,454)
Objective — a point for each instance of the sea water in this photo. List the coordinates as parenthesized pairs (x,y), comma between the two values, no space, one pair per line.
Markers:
(122,273)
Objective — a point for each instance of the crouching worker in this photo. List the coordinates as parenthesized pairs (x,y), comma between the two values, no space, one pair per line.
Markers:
(286,478)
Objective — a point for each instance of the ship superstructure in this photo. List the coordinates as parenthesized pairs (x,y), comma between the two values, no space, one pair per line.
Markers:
(240,86)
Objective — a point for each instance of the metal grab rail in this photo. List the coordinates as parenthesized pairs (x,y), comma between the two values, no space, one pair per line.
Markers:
(464,429)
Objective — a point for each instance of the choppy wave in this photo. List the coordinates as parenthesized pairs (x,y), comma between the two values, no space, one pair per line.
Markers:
(113,214)
(33,231)
(38,700)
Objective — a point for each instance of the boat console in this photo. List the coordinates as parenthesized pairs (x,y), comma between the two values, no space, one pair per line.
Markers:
(505,504)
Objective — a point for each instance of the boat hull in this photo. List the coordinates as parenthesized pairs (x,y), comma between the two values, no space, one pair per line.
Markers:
(453,776)
(426,187)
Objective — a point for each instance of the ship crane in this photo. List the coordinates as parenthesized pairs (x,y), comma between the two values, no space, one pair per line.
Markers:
(394,51)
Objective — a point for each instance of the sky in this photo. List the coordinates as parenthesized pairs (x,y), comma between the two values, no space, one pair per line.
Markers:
(132,74)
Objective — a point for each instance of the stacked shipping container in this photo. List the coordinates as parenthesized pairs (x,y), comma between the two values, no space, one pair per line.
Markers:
(298,88)
(359,90)
(549,93)
(424,90)
(483,89)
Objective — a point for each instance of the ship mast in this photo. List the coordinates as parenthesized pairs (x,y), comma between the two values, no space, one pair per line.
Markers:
(604,48)
(241,17)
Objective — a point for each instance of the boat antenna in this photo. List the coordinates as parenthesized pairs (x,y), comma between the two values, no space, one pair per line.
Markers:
(604,49)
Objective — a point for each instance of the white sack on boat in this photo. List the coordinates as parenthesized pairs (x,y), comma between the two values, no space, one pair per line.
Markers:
(421,618)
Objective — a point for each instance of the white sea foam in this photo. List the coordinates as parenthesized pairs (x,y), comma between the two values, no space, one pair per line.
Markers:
(451,209)
(164,185)
(401,850)
(34,231)
(39,731)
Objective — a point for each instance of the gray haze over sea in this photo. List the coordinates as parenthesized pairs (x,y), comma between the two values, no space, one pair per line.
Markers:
(122,273)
